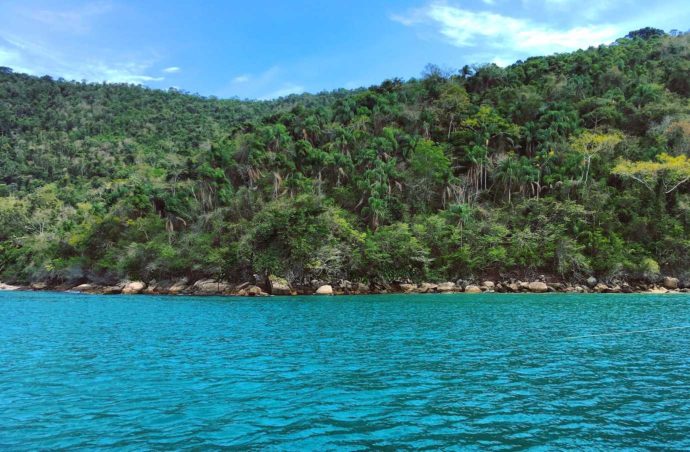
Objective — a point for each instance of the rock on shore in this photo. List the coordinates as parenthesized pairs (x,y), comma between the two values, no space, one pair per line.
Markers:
(279,286)
(274,285)
(408,288)
(211,287)
(670,283)
(326,289)
(133,287)
(538,287)
(446,287)
(4,286)
(252,291)
(179,286)
(473,289)
(87,288)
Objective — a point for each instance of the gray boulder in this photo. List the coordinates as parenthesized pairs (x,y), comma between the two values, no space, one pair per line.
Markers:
(211,287)
(601,288)
(179,286)
(427,287)
(670,283)
(362,288)
(252,291)
(111,290)
(538,287)
(446,287)
(87,288)
(279,286)
(407,288)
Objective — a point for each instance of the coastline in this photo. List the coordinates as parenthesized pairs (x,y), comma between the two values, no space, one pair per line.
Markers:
(279,287)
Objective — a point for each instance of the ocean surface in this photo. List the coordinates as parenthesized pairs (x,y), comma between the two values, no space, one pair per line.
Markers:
(348,373)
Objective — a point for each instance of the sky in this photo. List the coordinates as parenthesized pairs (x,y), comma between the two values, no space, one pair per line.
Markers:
(263,49)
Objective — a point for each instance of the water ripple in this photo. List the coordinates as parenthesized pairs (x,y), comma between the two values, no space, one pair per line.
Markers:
(401,372)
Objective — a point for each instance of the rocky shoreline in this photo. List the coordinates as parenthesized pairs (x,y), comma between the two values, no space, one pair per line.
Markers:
(279,286)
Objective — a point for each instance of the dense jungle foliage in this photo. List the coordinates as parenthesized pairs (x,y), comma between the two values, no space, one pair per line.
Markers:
(570,165)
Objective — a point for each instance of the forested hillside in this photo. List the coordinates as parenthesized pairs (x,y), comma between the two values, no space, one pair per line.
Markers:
(569,165)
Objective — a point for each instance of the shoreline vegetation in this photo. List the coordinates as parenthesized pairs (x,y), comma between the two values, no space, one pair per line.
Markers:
(279,286)
(572,166)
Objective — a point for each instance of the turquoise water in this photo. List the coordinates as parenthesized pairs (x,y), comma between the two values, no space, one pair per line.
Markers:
(447,371)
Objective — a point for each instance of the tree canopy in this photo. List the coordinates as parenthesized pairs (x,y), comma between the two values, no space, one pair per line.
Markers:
(572,164)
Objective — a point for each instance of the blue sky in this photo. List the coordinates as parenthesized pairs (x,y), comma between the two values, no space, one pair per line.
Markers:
(268,48)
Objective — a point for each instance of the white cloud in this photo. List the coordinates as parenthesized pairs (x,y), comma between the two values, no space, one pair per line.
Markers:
(269,84)
(585,9)
(409,19)
(78,20)
(244,78)
(509,35)
(38,39)
(119,73)
(502,62)
(285,90)
(35,59)
(171,70)
(353,84)
(12,59)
